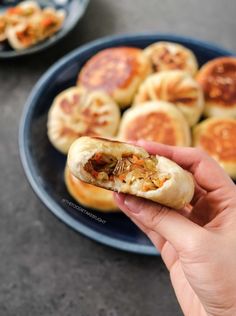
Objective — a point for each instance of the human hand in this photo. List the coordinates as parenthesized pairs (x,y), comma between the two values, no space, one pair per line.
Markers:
(197,243)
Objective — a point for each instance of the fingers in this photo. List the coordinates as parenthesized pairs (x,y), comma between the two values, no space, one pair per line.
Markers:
(168,253)
(208,174)
(155,238)
(173,227)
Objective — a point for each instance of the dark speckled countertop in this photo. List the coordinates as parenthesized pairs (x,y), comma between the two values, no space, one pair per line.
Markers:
(45,267)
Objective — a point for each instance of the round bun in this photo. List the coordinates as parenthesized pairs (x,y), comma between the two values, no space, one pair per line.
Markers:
(175,186)
(171,56)
(118,71)
(177,87)
(75,113)
(217,136)
(218,81)
(89,195)
(155,121)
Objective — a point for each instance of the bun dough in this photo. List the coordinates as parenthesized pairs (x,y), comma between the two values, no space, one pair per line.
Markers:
(75,113)
(29,32)
(157,121)
(177,87)
(217,136)
(218,81)
(171,56)
(89,195)
(118,71)
(176,190)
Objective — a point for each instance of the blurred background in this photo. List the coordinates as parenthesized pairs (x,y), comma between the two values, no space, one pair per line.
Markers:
(45,267)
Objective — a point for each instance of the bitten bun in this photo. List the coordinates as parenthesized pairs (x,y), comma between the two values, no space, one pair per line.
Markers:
(130,169)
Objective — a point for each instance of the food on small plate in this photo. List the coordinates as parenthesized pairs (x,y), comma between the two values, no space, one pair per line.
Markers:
(16,15)
(130,169)
(171,56)
(217,136)
(89,195)
(76,112)
(218,81)
(27,24)
(118,71)
(157,121)
(177,87)
(31,32)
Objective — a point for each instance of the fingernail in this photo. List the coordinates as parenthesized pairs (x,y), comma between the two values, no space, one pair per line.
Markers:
(119,197)
(132,204)
(141,141)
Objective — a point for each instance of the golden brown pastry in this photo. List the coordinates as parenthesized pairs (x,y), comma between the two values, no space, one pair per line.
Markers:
(171,56)
(177,87)
(157,121)
(218,81)
(75,113)
(130,169)
(89,195)
(217,136)
(118,71)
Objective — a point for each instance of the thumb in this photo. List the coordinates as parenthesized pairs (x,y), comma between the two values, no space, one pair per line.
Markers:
(170,224)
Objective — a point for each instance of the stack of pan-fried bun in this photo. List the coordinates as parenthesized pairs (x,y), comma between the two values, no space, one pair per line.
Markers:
(168,99)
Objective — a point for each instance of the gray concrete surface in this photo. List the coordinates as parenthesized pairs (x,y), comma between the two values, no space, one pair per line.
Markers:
(46,268)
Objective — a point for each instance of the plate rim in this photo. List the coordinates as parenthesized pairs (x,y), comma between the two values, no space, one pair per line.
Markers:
(29,106)
(13,54)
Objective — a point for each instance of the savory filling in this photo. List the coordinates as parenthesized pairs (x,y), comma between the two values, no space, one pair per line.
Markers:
(27,36)
(127,169)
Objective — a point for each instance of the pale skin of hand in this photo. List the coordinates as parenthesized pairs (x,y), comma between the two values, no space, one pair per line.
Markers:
(198,243)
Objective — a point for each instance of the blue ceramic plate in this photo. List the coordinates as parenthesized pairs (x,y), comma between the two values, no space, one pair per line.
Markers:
(74,11)
(44,166)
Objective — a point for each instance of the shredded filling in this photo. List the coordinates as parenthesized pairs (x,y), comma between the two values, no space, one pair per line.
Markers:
(128,169)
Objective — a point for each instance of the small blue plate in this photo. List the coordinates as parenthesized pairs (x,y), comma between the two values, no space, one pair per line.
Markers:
(74,10)
(44,166)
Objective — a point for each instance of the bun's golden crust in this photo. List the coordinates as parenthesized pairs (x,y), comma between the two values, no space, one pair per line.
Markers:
(89,195)
(176,188)
(171,56)
(117,71)
(217,136)
(75,113)
(155,121)
(218,81)
(177,87)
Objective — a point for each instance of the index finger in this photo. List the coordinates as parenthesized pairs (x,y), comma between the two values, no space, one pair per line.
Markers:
(208,174)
